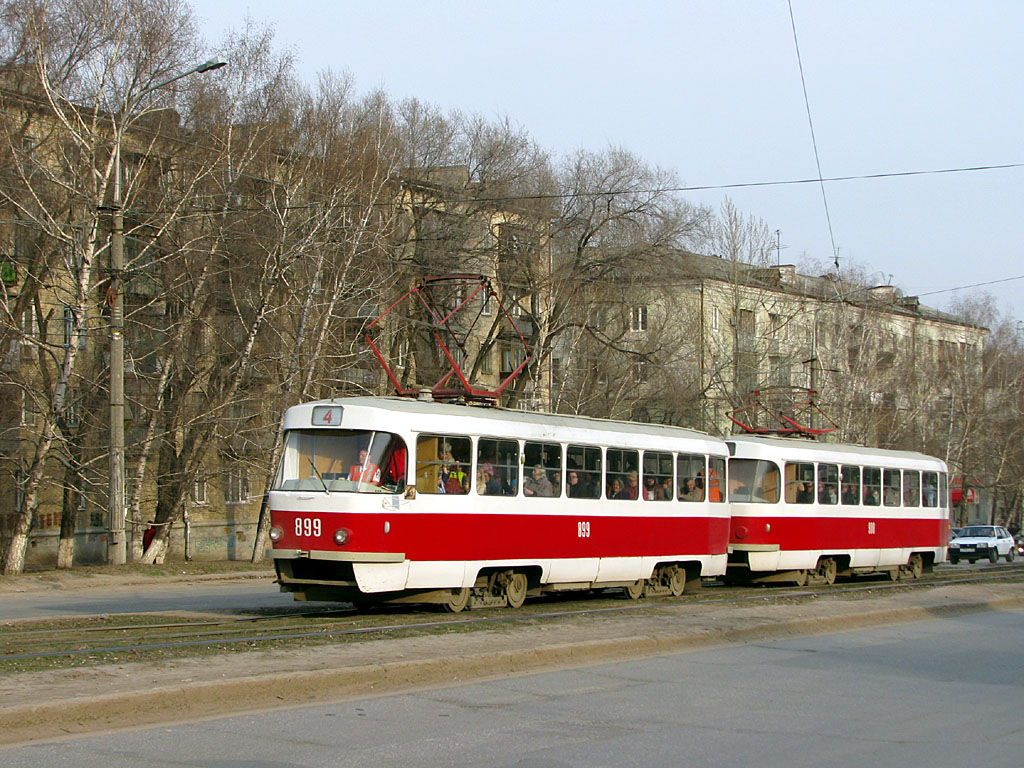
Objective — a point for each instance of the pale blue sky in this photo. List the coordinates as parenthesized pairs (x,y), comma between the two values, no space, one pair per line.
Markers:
(711,90)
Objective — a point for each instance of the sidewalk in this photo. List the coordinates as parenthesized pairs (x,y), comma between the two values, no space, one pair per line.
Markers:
(134,574)
(42,705)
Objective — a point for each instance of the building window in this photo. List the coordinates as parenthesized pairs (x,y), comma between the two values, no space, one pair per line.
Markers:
(70,327)
(199,487)
(780,371)
(29,415)
(73,413)
(8,271)
(638,318)
(485,307)
(640,368)
(29,328)
(714,318)
(512,359)
(515,297)
(238,484)
(486,361)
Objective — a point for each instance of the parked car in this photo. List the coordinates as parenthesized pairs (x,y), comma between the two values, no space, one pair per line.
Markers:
(1020,545)
(978,541)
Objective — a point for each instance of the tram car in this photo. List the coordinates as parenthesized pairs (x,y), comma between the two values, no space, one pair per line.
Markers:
(803,511)
(380,499)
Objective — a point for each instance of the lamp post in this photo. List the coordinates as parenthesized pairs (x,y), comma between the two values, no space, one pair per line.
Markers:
(116,543)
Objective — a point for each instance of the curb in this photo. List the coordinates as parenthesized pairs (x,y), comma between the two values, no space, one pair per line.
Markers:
(165,704)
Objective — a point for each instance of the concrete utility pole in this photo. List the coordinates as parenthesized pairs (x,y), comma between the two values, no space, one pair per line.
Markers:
(117,553)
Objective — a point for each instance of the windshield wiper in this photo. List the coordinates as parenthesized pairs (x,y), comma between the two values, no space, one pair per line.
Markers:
(318,475)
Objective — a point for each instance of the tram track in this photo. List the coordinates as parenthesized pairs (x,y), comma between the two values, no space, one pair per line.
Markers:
(91,640)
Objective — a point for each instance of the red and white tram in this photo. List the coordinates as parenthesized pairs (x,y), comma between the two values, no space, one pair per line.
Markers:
(809,511)
(391,498)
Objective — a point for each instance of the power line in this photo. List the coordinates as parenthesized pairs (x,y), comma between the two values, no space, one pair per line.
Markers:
(974,285)
(814,141)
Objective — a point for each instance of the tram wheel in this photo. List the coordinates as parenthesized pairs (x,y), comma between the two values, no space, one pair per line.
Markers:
(894,573)
(914,568)
(515,589)
(676,580)
(827,571)
(635,590)
(457,600)
(800,578)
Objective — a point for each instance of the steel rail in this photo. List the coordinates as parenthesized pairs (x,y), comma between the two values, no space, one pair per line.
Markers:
(736,595)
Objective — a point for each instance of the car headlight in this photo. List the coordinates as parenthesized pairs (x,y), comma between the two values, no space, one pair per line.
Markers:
(341,536)
(276,532)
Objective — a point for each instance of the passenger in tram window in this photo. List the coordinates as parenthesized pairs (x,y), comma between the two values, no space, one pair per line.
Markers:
(631,491)
(574,488)
(538,484)
(849,494)
(652,491)
(691,490)
(870,497)
(615,489)
(804,494)
(489,485)
(456,480)
(666,489)
(556,481)
(826,493)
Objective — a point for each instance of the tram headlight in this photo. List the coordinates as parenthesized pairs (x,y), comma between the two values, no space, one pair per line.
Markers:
(341,536)
(276,532)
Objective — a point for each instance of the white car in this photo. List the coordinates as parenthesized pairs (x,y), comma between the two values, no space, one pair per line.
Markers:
(977,541)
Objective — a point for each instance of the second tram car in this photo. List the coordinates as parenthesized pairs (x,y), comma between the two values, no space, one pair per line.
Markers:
(805,511)
(391,498)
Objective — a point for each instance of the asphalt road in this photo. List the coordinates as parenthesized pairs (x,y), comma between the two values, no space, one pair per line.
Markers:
(939,693)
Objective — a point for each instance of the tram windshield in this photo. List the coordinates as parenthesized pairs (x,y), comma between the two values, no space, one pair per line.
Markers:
(346,460)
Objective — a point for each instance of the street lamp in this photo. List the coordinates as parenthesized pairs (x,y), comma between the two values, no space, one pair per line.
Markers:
(116,545)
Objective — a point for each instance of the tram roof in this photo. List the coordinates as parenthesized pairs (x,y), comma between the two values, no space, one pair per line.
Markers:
(449,418)
(862,454)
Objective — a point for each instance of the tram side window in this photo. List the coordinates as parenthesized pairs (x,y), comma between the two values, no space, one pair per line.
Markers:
(443,464)
(943,490)
(716,480)
(828,484)
(753,481)
(872,486)
(544,467)
(850,493)
(799,482)
(930,489)
(657,476)
(497,469)
(891,487)
(690,468)
(911,488)
(583,472)
(623,478)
